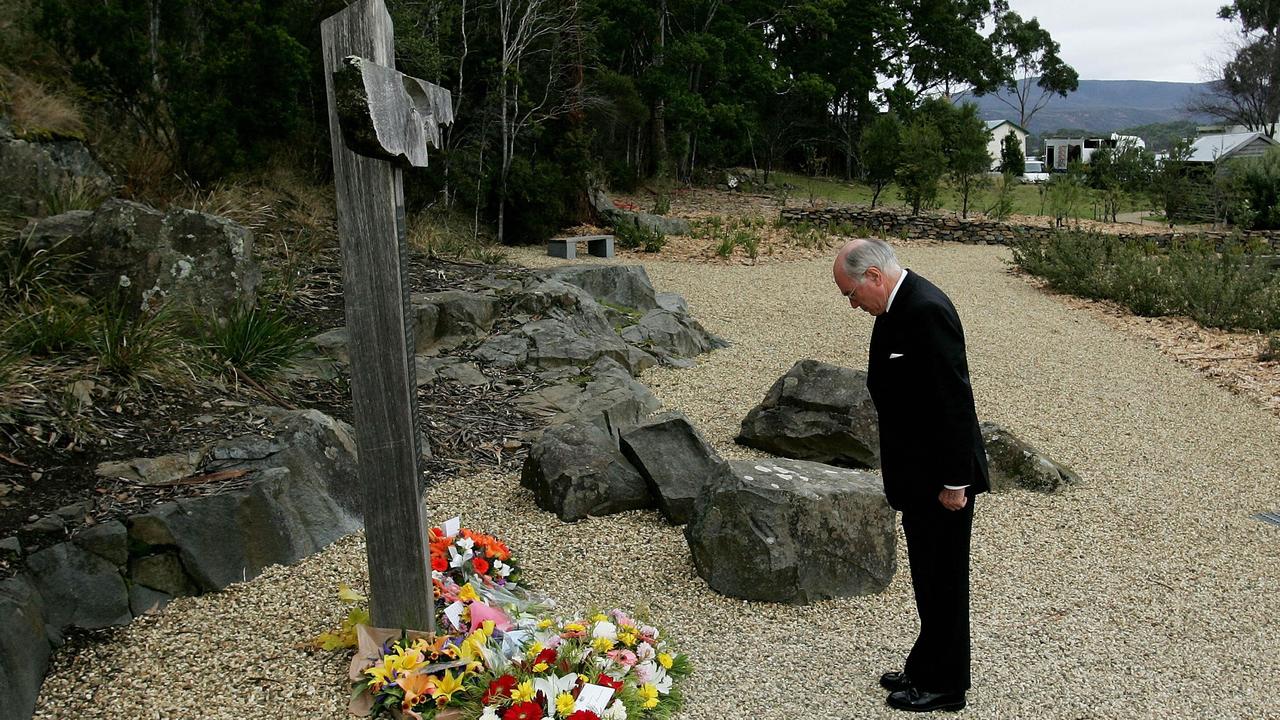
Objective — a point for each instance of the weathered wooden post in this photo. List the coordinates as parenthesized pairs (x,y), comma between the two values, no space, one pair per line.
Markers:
(379,119)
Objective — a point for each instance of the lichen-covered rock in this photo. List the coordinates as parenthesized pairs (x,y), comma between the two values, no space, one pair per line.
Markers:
(34,172)
(149,258)
(1014,463)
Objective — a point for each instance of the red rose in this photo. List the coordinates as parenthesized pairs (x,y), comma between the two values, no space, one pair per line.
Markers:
(523,711)
(480,564)
(606,681)
(583,715)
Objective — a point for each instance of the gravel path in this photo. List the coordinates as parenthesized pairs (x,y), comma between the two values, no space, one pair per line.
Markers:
(1148,592)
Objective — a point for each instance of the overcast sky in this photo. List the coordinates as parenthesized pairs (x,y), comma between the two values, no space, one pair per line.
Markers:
(1133,39)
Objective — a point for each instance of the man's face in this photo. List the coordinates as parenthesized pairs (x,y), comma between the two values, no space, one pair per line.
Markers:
(864,293)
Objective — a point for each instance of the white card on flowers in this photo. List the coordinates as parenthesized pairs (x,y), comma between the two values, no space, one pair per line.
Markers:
(594,698)
(452,526)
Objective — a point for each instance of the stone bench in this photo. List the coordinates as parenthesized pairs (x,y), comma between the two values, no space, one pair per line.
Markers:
(567,247)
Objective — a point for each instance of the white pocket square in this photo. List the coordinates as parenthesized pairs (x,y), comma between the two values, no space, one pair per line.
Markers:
(894,355)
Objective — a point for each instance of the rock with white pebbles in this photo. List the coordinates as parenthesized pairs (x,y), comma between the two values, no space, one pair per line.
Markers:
(795,532)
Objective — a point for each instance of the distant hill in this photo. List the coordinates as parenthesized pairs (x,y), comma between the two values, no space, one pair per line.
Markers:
(1103,106)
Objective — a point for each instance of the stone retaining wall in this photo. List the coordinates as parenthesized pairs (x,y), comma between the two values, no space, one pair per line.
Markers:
(299,497)
(891,222)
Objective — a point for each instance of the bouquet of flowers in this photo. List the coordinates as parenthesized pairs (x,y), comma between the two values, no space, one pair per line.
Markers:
(503,655)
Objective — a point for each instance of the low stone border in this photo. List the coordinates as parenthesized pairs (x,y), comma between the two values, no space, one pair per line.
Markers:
(977,231)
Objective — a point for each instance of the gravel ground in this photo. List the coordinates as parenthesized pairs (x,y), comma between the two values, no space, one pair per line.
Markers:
(1148,592)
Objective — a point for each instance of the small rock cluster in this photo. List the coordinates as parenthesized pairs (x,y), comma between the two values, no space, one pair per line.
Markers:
(822,412)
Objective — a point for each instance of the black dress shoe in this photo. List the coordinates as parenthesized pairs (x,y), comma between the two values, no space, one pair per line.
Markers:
(895,681)
(917,700)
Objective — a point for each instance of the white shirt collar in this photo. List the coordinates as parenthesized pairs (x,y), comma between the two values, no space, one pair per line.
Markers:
(894,294)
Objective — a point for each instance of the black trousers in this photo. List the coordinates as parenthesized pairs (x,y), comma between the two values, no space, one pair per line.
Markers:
(938,551)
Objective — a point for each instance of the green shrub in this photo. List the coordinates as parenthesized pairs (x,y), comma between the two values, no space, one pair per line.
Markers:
(749,241)
(634,237)
(725,244)
(257,342)
(1228,287)
(662,203)
(1270,348)
(145,347)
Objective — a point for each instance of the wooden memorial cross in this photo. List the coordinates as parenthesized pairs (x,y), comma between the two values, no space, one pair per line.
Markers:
(380,119)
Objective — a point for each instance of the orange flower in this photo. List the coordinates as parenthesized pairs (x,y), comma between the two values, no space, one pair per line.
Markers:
(417,687)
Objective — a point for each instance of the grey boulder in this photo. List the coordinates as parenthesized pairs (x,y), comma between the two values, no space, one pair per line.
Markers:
(672,337)
(576,470)
(794,532)
(445,320)
(24,647)
(79,588)
(676,461)
(1013,463)
(611,399)
(622,286)
(817,411)
(31,172)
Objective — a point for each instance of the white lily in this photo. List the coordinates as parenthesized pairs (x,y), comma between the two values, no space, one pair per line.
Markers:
(605,629)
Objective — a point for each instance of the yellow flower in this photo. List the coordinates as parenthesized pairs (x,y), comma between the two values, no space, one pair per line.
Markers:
(409,660)
(467,594)
(472,648)
(599,617)
(602,644)
(564,703)
(487,627)
(383,673)
(650,694)
(665,659)
(533,650)
(544,624)
(539,667)
(524,692)
(446,687)
(627,638)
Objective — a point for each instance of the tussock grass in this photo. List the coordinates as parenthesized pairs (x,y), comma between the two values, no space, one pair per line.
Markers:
(39,112)
(257,342)
(449,235)
(28,272)
(146,347)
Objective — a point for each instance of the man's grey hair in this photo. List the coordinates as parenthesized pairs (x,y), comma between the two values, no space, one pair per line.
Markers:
(870,253)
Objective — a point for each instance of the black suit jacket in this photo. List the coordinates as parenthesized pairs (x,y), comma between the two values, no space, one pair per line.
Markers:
(918,377)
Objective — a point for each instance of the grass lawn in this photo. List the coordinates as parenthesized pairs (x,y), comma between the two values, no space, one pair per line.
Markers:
(1028,199)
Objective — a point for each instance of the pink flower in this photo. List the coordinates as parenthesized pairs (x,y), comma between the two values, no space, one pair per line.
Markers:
(625,658)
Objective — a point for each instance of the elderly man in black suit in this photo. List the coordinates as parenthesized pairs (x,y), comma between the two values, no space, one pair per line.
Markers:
(932,459)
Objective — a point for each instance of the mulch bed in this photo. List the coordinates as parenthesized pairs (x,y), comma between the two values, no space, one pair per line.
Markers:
(52,445)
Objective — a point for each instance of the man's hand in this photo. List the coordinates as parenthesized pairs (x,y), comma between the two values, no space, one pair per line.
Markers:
(953,499)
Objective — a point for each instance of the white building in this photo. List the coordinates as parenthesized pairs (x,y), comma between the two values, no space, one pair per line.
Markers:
(1060,153)
(997,130)
(1212,148)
